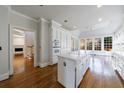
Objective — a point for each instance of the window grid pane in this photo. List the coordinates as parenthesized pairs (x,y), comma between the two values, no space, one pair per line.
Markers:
(97,43)
(89,44)
(82,44)
(108,43)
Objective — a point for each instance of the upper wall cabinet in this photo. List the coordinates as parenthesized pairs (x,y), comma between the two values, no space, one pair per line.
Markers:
(60,41)
(56,34)
(63,36)
(53,34)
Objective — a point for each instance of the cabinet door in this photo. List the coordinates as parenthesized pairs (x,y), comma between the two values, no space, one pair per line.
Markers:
(53,34)
(61,72)
(69,42)
(58,34)
(66,73)
(79,74)
(64,40)
(62,43)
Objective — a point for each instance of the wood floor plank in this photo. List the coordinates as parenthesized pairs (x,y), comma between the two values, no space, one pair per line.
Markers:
(99,75)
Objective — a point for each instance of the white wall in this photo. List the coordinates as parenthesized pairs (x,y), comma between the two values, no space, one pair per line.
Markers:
(18,41)
(8,17)
(17,19)
(25,23)
(4,58)
(29,41)
(29,38)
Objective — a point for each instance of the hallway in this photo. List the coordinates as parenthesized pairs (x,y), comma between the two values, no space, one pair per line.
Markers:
(21,64)
(99,75)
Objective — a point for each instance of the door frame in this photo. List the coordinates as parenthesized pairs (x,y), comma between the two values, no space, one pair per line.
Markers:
(11,48)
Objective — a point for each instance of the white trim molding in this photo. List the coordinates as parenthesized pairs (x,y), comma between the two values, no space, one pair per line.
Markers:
(23,15)
(56,24)
(4,76)
(44,20)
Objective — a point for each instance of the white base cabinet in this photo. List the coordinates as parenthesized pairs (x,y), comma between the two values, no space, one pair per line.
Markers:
(118,63)
(71,70)
(81,70)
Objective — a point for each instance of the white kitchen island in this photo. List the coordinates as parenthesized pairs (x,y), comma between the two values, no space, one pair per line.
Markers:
(72,68)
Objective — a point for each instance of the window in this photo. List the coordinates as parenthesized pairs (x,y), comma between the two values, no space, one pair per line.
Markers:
(107,43)
(89,44)
(82,44)
(97,44)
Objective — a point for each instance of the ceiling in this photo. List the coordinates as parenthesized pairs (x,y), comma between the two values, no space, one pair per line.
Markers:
(81,18)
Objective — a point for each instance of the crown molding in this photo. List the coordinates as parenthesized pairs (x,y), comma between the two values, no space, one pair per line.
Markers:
(23,15)
(42,19)
(56,23)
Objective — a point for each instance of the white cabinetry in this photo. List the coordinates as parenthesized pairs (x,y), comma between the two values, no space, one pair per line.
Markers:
(66,72)
(118,51)
(118,63)
(71,69)
(55,44)
(81,70)
(63,37)
(55,34)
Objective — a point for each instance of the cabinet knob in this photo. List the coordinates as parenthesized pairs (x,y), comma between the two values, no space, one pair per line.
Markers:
(64,64)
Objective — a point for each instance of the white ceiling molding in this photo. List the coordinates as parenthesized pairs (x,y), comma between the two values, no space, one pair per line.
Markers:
(54,23)
(20,14)
(18,36)
(44,20)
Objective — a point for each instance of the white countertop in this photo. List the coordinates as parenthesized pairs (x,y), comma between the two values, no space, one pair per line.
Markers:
(74,57)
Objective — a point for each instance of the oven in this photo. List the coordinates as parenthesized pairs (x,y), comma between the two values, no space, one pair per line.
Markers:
(56,51)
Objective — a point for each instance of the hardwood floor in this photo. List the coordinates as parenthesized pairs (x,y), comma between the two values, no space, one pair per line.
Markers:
(100,74)
(21,64)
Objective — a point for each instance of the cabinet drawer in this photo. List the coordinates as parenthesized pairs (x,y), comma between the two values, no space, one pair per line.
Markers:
(55,60)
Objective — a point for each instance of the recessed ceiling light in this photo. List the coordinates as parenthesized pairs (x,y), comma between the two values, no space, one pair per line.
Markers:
(100,19)
(98,6)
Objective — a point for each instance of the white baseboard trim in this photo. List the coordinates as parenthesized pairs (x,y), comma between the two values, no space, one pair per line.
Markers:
(44,64)
(4,76)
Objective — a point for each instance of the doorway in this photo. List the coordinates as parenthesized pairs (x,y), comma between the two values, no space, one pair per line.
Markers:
(22,50)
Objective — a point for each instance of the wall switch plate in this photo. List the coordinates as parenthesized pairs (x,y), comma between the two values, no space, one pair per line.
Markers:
(0,48)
